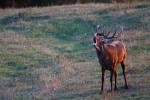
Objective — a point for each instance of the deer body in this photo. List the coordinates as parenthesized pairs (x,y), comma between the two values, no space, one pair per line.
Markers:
(110,54)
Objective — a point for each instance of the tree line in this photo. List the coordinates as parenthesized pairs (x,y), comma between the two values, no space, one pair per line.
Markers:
(39,3)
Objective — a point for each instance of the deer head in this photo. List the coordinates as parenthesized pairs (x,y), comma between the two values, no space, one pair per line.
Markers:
(99,37)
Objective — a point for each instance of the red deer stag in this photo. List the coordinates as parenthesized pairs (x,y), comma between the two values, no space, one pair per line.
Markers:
(110,53)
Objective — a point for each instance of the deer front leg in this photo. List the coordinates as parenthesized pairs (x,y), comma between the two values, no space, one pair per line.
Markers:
(124,74)
(111,79)
(103,76)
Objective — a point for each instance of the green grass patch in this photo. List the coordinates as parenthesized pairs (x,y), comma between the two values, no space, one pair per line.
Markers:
(13,18)
(142,48)
(55,59)
(16,65)
(3,70)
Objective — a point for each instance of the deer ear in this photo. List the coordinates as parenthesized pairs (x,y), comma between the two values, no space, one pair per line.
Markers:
(103,39)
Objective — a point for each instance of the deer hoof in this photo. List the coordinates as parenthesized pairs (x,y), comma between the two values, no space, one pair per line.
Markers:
(115,89)
(126,87)
(110,91)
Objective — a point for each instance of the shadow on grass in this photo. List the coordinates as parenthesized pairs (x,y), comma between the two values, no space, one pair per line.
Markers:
(121,90)
(142,6)
(78,95)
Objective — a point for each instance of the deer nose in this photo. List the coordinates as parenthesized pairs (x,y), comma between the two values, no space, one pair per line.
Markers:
(94,44)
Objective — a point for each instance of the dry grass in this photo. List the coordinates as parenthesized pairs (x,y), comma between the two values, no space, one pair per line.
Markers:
(46,53)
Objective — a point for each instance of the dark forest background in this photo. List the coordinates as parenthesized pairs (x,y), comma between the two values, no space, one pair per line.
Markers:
(32,3)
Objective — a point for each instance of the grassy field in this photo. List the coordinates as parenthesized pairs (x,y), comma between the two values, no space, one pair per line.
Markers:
(47,54)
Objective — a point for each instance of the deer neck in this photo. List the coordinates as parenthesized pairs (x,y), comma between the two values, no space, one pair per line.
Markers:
(101,52)
(100,46)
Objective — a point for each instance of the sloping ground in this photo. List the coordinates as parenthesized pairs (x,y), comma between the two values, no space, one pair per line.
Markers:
(47,53)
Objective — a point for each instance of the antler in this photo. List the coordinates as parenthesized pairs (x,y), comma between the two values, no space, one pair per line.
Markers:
(106,34)
(97,31)
(97,28)
(114,35)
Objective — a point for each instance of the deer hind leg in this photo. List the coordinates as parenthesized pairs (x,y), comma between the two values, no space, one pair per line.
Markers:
(116,79)
(123,69)
(103,77)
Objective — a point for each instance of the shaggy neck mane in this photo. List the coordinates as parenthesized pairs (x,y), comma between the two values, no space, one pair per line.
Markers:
(100,45)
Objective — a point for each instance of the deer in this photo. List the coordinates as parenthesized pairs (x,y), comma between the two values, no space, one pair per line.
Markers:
(110,53)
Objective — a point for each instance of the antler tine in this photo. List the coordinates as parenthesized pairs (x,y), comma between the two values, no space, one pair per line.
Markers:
(111,36)
(92,31)
(106,35)
(121,28)
(114,35)
(121,33)
(97,28)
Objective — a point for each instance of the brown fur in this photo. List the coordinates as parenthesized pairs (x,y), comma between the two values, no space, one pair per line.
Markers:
(110,54)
